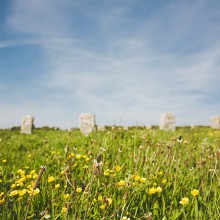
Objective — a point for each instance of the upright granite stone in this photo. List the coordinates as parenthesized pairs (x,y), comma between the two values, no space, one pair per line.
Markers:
(215,122)
(101,127)
(87,123)
(168,122)
(27,124)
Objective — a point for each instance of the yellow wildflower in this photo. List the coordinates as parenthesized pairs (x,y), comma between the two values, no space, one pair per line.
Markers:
(106,172)
(159,189)
(57,186)
(100,198)
(102,206)
(78,156)
(13,186)
(121,183)
(137,177)
(117,168)
(13,193)
(66,196)
(64,209)
(164,181)
(22,192)
(142,180)
(78,189)
(2,200)
(109,201)
(4,161)
(184,201)
(50,179)
(36,191)
(195,192)
(160,173)
(125,218)
(152,190)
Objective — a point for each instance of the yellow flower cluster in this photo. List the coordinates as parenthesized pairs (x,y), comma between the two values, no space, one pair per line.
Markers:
(153,190)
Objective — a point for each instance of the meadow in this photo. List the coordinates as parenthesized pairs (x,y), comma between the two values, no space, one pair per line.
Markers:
(112,174)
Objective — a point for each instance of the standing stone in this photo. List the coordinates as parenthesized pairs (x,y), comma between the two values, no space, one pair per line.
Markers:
(87,123)
(215,122)
(101,127)
(168,122)
(27,124)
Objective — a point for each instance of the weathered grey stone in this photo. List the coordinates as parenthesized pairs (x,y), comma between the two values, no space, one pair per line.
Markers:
(101,127)
(215,122)
(125,128)
(168,122)
(27,124)
(148,127)
(87,123)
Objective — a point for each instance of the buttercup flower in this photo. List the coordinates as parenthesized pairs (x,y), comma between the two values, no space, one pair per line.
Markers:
(57,186)
(184,201)
(195,192)
(152,190)
(50,179)
(66,196)
(121,183)
(159,189)
(117,168)
(78,189)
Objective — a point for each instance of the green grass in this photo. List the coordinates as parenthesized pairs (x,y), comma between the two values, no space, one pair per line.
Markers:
(134,163)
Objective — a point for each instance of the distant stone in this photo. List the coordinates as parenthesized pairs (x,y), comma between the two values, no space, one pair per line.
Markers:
(125,128)
(168,122)
(87,123)
(215,122)
(148,127)
(101,127)
(27,124)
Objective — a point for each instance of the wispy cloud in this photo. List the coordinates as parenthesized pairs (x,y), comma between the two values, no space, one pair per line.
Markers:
(126,62)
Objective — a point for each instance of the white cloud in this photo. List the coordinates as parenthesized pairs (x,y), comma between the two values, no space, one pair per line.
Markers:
(122,73)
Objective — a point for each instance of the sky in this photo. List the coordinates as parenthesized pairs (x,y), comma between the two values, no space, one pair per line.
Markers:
(126,61)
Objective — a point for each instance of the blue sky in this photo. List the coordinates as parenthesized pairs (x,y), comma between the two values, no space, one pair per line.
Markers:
(126,61)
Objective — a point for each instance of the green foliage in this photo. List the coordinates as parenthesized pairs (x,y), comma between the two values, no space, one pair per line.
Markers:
(143,174)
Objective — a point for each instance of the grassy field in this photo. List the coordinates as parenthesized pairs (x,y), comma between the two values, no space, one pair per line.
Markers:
(115,174)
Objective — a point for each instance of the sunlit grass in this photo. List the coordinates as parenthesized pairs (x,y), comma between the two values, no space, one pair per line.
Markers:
(142,174)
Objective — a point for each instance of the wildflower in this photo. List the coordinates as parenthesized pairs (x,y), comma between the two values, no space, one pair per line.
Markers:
(100,198)
(78,156)
(13,193)
(195,192)
(184,201)
(64,209)
(137,178)
(36,191)
(2,200)
(121,183)
(109,201)
(4,161)
(22,192)
(78,189)
(142,180)
(0,181)
(106,172)
(159,189)
(50,179)
(13,186)
(57,186)
(160,173)
(28,176)
(66,196)
(125,218)
(152,190)
(29,155)
(102,207)
(117,168)
(164,181)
